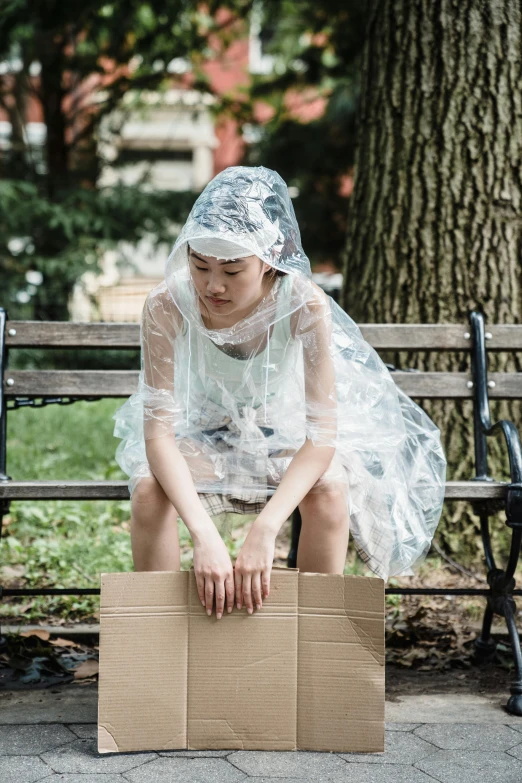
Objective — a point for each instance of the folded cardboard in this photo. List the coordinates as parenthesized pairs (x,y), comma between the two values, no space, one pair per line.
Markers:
(305,672)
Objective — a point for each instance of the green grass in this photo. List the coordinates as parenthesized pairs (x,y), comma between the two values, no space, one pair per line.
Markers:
(63,441)
(62,543)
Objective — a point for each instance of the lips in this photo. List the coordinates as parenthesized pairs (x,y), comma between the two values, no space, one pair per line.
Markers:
(216,301)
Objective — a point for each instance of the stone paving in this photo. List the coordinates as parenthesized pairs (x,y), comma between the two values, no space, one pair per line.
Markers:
(414,753)
(51,735)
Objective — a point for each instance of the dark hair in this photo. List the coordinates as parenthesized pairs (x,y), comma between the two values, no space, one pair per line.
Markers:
(276,273)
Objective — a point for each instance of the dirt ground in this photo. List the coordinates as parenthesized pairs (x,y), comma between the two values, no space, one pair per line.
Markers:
(33,663)
(478,680)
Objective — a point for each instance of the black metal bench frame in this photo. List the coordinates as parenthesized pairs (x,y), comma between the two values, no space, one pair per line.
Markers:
(486,495)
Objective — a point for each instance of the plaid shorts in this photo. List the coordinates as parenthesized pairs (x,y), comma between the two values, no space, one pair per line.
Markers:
(247,502)
(215,504)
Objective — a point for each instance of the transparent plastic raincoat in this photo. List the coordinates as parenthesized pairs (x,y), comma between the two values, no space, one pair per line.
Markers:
(241,400)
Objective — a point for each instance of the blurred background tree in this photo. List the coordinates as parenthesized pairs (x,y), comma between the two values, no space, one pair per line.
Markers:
(79,63)
(58,219)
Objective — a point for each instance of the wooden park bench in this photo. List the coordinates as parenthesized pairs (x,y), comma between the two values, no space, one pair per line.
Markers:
(26,387)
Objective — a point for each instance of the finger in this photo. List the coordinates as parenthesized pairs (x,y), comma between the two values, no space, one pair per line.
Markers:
(247,592)
(220,599)
(200,581)
(265,582)
(256,589)
(209,594)
(230,591)
(238,578)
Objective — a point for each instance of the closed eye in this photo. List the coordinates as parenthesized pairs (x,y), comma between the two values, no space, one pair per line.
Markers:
(203,269)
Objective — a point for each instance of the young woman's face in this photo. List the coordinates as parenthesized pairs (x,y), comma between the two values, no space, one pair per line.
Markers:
(228,287)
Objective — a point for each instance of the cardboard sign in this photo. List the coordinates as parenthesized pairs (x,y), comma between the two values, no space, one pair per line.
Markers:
(305,672)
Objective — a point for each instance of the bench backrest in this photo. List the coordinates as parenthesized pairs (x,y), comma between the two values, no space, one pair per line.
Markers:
(122,383)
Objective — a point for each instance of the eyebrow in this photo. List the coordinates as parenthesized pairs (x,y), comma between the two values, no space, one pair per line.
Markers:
(232,260)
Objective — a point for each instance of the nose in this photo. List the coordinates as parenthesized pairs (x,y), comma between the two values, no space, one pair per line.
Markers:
(215,287)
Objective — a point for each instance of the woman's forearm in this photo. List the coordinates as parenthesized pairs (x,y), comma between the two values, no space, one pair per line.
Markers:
(171,470)
(307,465)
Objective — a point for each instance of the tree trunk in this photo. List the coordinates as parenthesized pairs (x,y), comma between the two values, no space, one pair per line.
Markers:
(435,216)
(50,302)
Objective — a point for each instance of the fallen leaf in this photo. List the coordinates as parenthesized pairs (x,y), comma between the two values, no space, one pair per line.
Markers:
(59,642)
(86,669)
(45,635)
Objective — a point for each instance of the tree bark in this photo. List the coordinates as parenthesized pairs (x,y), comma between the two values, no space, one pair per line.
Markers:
(435,216)
(52,93)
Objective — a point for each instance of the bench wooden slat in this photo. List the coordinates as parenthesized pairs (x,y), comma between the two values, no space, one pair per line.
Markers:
(439,337)
(64,490)
(72,334)
(123,383)
(83,383)
(428,337)
(117,490)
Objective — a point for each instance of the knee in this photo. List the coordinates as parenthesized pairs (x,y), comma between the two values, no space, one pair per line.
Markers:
(149,500)
(326,511)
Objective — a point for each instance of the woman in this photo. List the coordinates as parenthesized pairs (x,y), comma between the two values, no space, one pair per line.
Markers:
(257,394)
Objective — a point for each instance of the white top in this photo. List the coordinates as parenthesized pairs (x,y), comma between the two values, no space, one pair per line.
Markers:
(217,374)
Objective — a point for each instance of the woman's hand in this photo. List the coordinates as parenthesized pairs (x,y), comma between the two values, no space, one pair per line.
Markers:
(253,568)
(214,573)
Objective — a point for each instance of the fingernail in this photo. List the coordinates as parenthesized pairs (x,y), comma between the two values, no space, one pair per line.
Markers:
(229,609)
(239,606)
(258,606)
(202,603)
(249,610)
(219,615)
(209,612)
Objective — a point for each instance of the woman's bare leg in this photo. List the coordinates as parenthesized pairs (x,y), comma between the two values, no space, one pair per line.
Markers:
(154,528)
(325,525)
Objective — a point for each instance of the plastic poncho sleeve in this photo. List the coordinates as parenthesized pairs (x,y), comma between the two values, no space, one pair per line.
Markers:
(314,331)
(161,321)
